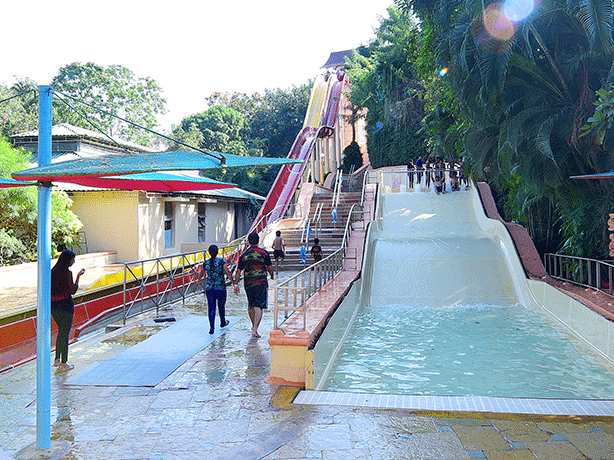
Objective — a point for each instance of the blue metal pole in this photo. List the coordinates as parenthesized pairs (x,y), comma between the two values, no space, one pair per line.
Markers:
(43,308)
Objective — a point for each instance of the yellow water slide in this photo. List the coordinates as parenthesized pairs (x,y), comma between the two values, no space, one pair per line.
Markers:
(316,104)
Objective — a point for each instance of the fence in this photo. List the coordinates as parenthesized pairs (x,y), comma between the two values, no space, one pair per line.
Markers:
(291,296)
(152,283)
(585,272)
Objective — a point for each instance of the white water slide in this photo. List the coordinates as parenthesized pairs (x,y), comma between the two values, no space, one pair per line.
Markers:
(443,307)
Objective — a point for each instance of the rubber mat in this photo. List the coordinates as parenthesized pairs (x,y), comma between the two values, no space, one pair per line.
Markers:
(151,361)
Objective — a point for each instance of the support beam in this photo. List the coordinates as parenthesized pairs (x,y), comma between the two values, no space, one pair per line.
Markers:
(43,307)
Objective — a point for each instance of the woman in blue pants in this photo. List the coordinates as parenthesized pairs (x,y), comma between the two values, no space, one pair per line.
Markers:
(214,270)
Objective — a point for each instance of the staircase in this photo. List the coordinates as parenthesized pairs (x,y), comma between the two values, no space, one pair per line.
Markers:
(329,233)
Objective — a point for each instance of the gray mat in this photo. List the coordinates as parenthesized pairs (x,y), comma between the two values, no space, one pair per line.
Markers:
(151,361)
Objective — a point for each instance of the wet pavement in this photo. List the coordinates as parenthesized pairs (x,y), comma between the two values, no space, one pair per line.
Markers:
(217,406)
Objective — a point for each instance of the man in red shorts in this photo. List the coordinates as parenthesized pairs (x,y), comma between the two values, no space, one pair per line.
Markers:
(255,262)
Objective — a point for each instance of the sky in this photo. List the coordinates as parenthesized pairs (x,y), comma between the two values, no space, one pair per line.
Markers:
(190,48)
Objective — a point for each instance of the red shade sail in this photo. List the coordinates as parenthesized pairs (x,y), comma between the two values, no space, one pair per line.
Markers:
(149,182)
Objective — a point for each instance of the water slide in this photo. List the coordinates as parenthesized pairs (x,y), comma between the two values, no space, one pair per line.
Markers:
(433,259)
(320,121)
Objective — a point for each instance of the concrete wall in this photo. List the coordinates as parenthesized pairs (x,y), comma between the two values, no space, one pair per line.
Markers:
(110,221)
(132,223)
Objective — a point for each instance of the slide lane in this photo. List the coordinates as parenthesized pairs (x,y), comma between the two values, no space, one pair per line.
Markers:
(319,122)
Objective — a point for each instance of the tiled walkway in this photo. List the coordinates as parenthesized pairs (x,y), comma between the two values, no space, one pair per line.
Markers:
(217,406)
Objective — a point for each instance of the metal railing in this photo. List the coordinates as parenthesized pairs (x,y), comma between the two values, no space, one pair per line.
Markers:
(152,283)
(592,273)
(291,296)
(296,290)
(399,178)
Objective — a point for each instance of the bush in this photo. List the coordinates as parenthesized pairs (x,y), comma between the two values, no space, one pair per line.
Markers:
(351,156)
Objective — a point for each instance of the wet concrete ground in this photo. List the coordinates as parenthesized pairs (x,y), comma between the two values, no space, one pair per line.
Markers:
(217,406)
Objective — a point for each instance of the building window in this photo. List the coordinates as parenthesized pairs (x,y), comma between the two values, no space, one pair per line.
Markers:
(202,223)
(169,215)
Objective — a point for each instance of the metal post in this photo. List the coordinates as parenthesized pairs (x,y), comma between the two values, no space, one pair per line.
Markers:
(125,274)
(43,307)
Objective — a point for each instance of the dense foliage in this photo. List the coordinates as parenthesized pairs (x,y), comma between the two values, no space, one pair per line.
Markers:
(528,103)
(18,213)
(88,95)
(385,81)
(257,125)
(114,89)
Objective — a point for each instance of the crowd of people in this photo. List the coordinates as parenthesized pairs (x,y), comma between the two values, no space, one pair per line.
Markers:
(434,172)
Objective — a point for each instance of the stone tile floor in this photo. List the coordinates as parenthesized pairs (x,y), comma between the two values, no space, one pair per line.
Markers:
(217,406)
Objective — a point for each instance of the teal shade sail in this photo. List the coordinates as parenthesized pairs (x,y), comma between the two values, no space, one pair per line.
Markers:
(112,165)
(606,175)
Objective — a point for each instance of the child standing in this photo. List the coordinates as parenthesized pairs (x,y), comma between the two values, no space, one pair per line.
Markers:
(316,250)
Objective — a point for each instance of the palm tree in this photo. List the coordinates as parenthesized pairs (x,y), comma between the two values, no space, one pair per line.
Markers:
(523,98)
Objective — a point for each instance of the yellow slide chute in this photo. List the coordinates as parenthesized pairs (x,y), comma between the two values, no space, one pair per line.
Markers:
(316,105)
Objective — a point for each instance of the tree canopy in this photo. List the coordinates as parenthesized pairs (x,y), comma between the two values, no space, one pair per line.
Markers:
(257,125)
(526,99)
(19,213)
(385,81)
(114,89)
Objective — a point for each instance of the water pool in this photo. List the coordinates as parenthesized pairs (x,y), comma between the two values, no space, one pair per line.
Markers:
(485,350)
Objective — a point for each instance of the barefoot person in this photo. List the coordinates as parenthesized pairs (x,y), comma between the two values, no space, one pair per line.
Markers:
(62,306)
(279,246)
(255,262)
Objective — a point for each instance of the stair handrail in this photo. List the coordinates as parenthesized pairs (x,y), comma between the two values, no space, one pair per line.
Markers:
(304,235)
(337,189)
(365,177)
(317,218)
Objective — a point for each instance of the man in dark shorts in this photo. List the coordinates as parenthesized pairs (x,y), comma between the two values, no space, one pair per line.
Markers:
(278,250)
(255,262)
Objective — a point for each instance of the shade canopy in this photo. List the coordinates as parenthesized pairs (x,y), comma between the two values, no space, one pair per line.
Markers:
(6,183)
(144,162)
(606,175)
(149,182)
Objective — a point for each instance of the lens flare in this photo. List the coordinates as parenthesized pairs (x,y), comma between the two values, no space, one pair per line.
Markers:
(443,71)
(379,125)
(518,10)
(498,25)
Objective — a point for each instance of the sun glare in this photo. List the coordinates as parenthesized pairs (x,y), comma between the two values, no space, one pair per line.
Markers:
(518,10)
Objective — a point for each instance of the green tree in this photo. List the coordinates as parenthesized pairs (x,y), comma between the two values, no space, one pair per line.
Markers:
(19,112)
(386,81)
(114,89)
(257,125)
(221,129)
(351,157)
(18,213)
(521,96)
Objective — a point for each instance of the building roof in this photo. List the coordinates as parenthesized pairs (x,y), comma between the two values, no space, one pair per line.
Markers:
(337,59)
(68,131)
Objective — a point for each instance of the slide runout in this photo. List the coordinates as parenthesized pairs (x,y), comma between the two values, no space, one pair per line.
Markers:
(431,251)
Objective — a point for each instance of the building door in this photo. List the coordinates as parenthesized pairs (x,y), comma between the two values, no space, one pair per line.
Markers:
(168,224)
(202,223)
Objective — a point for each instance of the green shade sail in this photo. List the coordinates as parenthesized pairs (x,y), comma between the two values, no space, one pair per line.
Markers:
(112,165)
